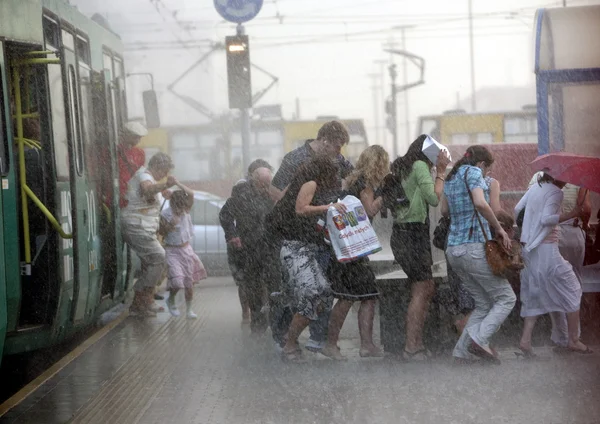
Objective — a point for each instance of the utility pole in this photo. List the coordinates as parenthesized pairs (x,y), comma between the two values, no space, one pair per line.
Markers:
(405,76)
(244,121)
(473,99)
(382,64)
(375,89)
(393,111)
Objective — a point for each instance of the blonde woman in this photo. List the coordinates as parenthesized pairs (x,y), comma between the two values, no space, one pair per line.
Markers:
(355,281)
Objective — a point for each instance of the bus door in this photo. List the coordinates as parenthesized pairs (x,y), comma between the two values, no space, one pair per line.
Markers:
(3,172)
(77,196)
(107,184)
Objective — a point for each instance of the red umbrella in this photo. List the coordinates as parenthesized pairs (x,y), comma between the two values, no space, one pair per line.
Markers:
(582,171)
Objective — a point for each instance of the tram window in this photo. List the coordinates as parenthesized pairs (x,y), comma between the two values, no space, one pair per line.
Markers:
(59,126)
(3,138)
(87,123)
(75,120)
(68,40)
(51,32)
(107,63)
(83,50)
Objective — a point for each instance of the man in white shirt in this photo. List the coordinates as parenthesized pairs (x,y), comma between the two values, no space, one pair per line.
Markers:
(139,226)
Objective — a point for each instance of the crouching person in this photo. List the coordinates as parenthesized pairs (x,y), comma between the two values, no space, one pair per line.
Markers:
(139,226)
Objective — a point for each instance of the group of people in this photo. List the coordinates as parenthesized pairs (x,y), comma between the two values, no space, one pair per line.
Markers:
(288,276)
(159,234)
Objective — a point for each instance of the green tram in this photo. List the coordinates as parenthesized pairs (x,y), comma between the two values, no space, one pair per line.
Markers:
(62,98)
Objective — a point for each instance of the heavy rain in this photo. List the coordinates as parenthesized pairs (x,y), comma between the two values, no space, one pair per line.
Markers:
(300,211)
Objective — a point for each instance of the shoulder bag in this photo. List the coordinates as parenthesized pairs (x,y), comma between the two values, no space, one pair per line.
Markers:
(501,261)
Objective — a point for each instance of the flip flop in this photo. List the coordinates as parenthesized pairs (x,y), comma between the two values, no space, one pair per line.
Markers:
(420,355)
(296,357)
(526,354)
(587,351)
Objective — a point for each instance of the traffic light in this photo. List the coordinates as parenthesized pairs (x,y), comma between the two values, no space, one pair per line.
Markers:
(238,72)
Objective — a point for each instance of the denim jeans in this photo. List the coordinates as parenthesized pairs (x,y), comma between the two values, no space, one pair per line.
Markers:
(493,296)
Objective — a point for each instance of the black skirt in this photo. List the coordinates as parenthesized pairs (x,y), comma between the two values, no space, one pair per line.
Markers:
(411,246)
(354,281)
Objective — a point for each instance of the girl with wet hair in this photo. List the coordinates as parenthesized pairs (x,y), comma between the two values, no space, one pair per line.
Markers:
(410,241)
(355,281)
(184,268)
(466,195)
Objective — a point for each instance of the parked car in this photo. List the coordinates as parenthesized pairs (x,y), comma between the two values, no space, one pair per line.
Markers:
(209,238)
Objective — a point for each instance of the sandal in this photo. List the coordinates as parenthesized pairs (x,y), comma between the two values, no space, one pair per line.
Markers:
(587,351)
(333,353)
(296,357)
(526,354)
(371,353)
(420,355)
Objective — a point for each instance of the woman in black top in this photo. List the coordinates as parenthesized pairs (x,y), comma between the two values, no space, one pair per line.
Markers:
(295,219)
(355,281)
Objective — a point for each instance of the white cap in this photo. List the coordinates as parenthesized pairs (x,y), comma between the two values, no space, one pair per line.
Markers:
(135,128)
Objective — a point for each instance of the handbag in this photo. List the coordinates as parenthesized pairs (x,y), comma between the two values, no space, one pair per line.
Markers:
(501,261)
(440,234)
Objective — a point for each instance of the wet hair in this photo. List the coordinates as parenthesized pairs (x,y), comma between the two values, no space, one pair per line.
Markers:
(259,163)
(545,178)
(179,202)
(373,165)
(334,131)
(403,165)
(160,161)
(473,156)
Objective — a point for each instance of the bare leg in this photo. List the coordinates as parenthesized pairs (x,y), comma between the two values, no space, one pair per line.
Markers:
(461,323)
(573,329)
(336,321)
(299,323)
(422,292)
(366,314)
(529,324)
(244,303)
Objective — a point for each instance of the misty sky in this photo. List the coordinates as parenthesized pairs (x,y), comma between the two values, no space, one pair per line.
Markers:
(325,53)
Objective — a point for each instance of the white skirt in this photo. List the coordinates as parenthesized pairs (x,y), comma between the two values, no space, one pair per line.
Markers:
(548,283)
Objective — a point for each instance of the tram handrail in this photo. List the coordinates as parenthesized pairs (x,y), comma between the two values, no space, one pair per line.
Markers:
(47,213)
(21,142)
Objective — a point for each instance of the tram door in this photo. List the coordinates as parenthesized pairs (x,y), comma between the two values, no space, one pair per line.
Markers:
(78,196)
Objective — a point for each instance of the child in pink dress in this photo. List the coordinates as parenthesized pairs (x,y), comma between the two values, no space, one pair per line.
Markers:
(184,268)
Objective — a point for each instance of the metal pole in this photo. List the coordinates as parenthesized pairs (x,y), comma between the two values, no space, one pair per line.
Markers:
(405,75)
(245,124)
(393,75)
(381,123)
(374,88)
(473,99)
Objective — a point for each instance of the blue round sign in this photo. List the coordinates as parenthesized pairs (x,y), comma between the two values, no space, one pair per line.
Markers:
(238,11)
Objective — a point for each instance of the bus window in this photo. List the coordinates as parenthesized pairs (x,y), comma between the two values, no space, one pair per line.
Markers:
(59,126)
(75,120)
(68,40)
(3,137)
(51,32)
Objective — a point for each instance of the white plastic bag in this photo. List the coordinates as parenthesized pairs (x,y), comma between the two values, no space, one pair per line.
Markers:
(351,234)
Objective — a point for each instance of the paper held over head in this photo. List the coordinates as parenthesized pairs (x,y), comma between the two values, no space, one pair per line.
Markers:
(431,149)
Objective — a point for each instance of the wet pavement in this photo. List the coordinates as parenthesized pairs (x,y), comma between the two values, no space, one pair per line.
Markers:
(211,371)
